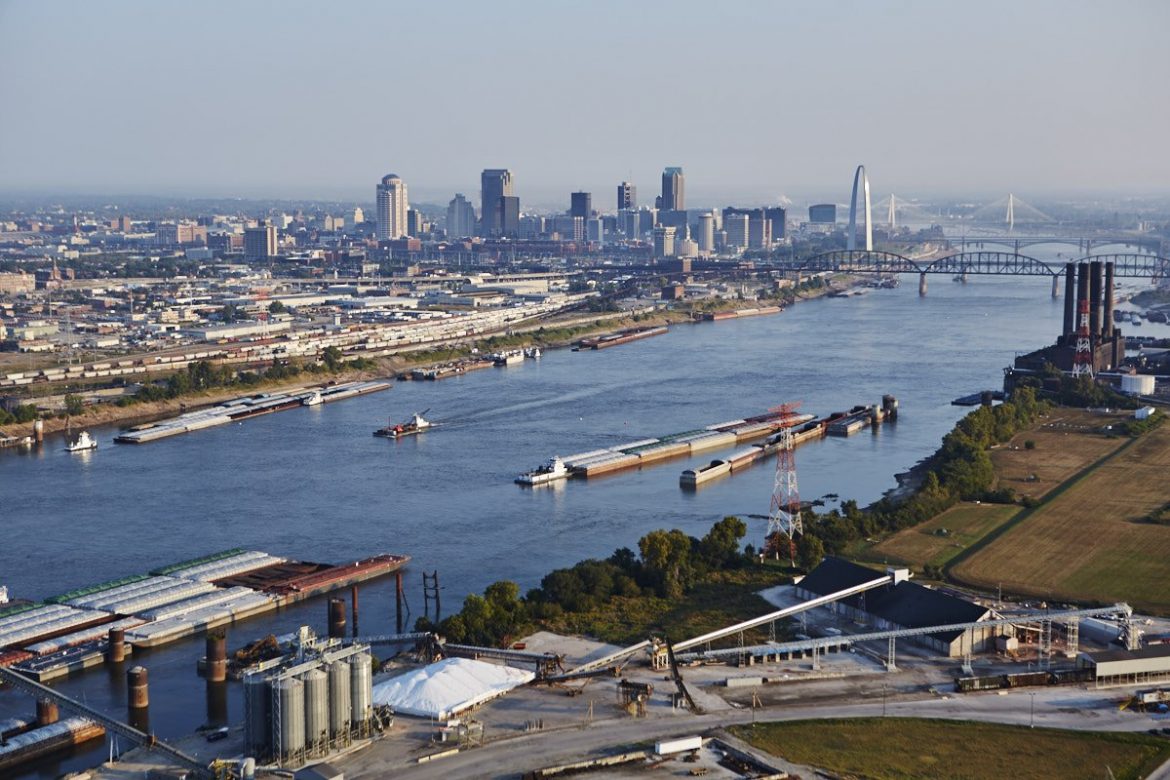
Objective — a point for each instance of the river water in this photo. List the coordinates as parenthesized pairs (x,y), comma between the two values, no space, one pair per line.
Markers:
(314,484)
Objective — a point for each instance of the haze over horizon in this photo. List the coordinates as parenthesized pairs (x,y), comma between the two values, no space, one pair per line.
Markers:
(755,102)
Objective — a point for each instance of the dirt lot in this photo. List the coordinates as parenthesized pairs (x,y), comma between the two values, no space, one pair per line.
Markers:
(1090,542)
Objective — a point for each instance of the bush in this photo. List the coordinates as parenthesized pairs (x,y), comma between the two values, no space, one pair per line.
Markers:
(1029,444)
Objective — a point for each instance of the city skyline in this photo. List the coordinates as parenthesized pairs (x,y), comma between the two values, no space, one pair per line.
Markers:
(885,93)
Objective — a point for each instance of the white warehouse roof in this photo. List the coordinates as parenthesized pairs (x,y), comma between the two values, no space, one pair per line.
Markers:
(441,690)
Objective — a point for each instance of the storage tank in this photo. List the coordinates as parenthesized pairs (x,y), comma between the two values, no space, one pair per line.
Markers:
(339,699)
(361,689)
(257,723)
(316,709)
(289,733)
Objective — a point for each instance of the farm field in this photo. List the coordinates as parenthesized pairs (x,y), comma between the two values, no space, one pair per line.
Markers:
(1066,441)
(1091,542)
(926,544)
(903,748)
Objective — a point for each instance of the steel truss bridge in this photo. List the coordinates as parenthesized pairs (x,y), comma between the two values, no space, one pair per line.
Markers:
(958,263)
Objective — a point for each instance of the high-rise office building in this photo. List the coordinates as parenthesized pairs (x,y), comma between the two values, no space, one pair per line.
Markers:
(260,242)
(736,225)
(823,213)
(391,208)
(673,190)
(595,230)
(664,242)
(627,196)
(581,205)
(776,215)
(706,235)
(416,223)
(460,217)
(494,184)
(509,216)
(628,223)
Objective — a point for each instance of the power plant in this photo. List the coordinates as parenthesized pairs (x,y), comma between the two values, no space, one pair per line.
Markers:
(1088,288)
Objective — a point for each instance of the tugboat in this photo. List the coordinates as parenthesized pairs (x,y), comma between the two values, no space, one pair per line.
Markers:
(533,353)
(512,357)
(416,424)
(313,399)
(84,442)
(552,470)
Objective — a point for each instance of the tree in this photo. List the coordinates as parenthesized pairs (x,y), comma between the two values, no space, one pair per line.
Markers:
(73,404)
(229,313)
(332,358)
(276,307)
(809,552)
(720,547)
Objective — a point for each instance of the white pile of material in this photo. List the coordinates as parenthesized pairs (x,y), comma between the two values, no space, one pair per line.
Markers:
(443,689)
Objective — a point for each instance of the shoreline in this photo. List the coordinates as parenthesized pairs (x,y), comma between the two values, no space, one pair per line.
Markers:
(395,366)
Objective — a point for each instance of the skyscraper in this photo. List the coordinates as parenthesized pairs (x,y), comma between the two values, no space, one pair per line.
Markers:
(673,190)
(392,208)
(627,196)
(510,216)
(706,236)
(777,216)
(460,217)
(260,242)
(664,242)
(495,184)
(581,204)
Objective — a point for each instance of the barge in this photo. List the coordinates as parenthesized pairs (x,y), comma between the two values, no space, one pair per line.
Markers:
(622,337)
(244,407)
(734,314)
(693,478)
(447,370)
(70,632)
(46,740)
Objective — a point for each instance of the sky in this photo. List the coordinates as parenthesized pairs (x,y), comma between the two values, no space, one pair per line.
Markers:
(757,101)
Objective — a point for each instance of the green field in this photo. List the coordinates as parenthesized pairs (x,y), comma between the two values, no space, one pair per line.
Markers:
(902,748)
(925,545)
(1091,541)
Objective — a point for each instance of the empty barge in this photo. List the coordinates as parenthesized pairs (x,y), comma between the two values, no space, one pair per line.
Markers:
(622,337)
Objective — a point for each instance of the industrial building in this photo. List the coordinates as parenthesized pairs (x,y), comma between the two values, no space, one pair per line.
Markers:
(902,604)
(1128,667)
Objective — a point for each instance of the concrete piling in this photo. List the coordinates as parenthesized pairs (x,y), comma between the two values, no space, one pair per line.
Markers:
(137,694)
(336,618)
(216,670)
(115,646)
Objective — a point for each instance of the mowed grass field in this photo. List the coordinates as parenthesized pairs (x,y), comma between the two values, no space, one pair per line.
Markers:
(1066,441)
(1088,543)
(903,748)
(923,545)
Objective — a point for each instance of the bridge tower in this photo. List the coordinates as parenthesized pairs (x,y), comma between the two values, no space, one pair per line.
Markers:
(1083,359)
(892,218)
(784,517)
(1011,212)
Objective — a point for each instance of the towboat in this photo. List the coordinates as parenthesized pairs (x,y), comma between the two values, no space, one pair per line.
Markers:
(416,424)
(550,471)
(84,442)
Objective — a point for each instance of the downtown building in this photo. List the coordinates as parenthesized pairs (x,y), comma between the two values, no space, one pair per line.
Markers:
(392,207)
(499,206)
(460,217)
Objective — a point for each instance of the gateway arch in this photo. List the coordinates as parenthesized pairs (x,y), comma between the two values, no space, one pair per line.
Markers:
(859,178)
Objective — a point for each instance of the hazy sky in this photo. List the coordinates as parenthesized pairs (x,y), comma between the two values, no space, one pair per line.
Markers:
(754,99)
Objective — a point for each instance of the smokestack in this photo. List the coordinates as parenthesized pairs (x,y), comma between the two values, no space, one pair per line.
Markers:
(1107,327)
(1082,291)
(1070,300)
(1095,298)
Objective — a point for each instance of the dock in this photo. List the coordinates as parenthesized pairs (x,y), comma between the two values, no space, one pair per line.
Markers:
(244,407)
(975,399)
(69,633)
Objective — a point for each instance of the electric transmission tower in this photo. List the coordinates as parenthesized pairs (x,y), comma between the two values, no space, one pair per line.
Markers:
(784,517)
(1083,359)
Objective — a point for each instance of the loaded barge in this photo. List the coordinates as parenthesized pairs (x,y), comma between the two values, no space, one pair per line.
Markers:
(649,451)
(447,370)
(242,408)
(71,632)
(836,424)
(622,337)
(719,316)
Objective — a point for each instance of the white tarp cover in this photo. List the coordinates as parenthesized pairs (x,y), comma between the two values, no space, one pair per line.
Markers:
(442,689)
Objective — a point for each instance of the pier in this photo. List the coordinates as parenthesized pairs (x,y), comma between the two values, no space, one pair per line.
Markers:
(71,632)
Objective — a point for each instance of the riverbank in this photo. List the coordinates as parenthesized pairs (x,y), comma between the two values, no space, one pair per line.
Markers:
(555,333)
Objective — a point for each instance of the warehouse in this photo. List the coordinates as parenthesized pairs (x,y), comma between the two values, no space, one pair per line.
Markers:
(902,605)
(1128,667)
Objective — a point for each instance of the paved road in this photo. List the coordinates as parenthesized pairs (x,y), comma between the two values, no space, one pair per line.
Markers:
(1066,709)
